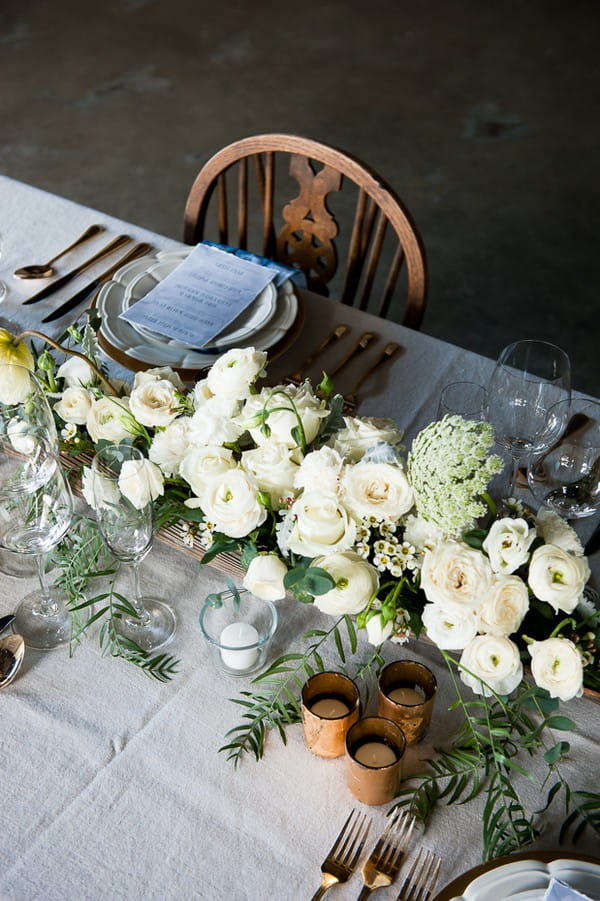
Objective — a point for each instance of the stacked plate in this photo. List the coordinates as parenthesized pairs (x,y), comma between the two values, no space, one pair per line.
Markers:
(264,324)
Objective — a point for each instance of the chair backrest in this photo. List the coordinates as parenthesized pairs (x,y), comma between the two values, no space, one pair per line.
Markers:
(289,213)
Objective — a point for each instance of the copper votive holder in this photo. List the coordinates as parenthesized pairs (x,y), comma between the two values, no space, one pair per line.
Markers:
(401,685)
(374,753)
(330,706)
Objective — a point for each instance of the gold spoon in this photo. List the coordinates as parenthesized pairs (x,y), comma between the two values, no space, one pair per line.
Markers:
(45,270)
(12,652)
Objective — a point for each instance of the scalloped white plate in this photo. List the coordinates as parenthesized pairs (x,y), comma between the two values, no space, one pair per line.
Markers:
(528,880)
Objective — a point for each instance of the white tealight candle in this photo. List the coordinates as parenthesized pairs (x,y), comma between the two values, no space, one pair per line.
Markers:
(239,635)
(375,754)
(409,697)
(330,708)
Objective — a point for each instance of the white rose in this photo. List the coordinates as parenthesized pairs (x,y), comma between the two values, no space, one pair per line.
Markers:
(211,425)
(504,609)
(154,403)
(274,471)
(320,525)
(423,535)
(109,419)
(507,544)
(76,373)
(74,405)
(456,576)
(362,434)
(376,489)
(493,659)
(170,446)
(450,631)
(355,581)
(140,484)
(321,467)
(377,632)
(558,577)
(235,372)
(97,490)
(158,374)
(287,404)
(264,577)
(557,666)
(554,530)
(230,501)
(200,465)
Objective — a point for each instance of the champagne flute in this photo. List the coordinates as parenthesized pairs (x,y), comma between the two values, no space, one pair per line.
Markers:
(529,378)
(124,513)
(3,287)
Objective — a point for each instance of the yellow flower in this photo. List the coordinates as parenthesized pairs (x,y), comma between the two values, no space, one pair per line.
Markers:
(15,357)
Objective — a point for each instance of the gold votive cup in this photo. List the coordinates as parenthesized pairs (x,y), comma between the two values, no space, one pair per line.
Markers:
(401,684)
(337,701)
(374,759)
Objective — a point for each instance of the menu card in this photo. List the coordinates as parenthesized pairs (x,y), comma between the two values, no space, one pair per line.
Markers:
(196,301)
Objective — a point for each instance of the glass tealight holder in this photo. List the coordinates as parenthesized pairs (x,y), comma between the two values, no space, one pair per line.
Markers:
(239,634)
(406,695)
(375,749)
(330,706)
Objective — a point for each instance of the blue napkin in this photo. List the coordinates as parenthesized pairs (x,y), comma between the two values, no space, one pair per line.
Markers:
(283,273)
(560,891)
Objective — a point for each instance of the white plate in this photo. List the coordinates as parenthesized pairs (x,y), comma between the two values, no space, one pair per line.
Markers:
(528,879)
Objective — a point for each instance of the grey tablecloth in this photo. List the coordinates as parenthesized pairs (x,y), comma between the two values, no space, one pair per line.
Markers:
(112,784)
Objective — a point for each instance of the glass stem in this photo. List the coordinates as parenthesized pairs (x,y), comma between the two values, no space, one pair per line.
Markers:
(136,600)
(47,606)
(513,476)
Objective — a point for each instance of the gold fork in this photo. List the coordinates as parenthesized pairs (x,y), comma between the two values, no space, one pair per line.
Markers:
(421,879)
(339,864)
(383,865)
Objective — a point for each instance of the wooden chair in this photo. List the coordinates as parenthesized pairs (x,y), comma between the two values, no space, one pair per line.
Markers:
(307,235)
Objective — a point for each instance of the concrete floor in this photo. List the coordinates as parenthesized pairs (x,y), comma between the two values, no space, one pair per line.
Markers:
(483,116)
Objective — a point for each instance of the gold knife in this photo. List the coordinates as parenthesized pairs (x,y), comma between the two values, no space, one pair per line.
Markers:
(338,332)
(387,353)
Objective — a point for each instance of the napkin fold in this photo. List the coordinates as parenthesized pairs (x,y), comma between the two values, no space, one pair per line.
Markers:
(560,891)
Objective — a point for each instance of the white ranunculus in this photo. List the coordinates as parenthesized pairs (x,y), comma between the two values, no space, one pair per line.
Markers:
(76,373)
(170,446)
(456,576)
(423,535)
(504,608)
(377,631)
(494,660)
(376,489)
(21,437)
(507,544)
(154,403)
(362,434)
(554,530)
(355,581)
(212,425)
(74,405)
(264,577)
(450,631)
(274,471)
(230,501)
(287,403)
(558,577)
(109,419)
(556,665)
(320,525)
(321,467)
(140,484)
(158,374)
(200,465)
(233,374)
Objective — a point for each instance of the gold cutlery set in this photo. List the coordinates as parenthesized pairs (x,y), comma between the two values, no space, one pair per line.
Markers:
(383,864)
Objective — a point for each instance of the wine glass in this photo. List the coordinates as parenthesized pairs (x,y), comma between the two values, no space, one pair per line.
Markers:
(567,477)
(3,287)
(466,399)
(124,513)
(528,379)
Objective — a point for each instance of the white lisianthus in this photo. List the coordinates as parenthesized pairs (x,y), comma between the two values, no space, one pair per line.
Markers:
(507,544)
(377,630)
(320,525)
(423,535)
(554,530)
(231,502)
(109,419)
(154,402)
(74,405)
(200,465)
(264,577)
(504,609)
(213,424)
(450,631)
(493,660)
(158,374)
(355,581)
(321,467)
(456,576)
(376,489)
(558,577)
(141,484)
(233,374)
(556,665)
(286,406)
(170,446)
(274,471)
(362,434)
(76,373)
